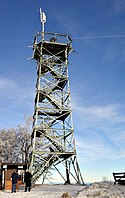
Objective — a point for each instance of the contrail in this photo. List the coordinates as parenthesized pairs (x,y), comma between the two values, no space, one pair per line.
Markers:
(74,38)
(99,37)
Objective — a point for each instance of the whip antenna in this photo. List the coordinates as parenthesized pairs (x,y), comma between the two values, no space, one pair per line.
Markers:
(43,20)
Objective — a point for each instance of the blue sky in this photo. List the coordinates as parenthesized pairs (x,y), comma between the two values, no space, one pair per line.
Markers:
(96,71)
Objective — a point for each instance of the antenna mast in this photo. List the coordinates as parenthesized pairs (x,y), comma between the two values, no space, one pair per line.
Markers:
(43,21)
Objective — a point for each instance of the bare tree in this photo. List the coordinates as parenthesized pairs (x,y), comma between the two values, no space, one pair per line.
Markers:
(105,179)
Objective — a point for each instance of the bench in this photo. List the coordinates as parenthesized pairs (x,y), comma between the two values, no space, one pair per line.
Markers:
(119,178)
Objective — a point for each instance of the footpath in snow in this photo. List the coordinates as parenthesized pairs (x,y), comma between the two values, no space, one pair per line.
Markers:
(96,190)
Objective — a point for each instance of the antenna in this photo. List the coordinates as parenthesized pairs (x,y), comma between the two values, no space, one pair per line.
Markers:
(42,19)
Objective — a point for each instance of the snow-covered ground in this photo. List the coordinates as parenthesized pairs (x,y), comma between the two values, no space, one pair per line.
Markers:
(96,190)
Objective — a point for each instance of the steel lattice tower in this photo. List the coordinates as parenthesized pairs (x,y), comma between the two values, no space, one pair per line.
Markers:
(53,142)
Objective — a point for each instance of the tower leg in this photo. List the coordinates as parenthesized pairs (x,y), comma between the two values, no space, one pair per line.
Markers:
(67,174)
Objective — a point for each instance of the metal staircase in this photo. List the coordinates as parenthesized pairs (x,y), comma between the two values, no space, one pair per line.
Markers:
(53,141)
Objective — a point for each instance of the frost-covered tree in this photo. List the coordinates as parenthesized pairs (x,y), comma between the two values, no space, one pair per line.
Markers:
(23,139)
(8,143)
(15,143)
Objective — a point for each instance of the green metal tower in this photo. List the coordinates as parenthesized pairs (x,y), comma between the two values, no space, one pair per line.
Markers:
(53,142)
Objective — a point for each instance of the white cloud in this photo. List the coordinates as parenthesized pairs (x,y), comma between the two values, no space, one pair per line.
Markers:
(16,100)
(95,148)
(114,53)
(6,83)
(98,112)
(16,91)
(119,137)
(99,131)
(119,6)
(88,116)
(111,54)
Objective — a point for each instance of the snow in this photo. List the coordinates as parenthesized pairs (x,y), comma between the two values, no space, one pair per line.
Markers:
(96,190)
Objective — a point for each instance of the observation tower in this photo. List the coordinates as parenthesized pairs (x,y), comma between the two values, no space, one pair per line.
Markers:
(53,142)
